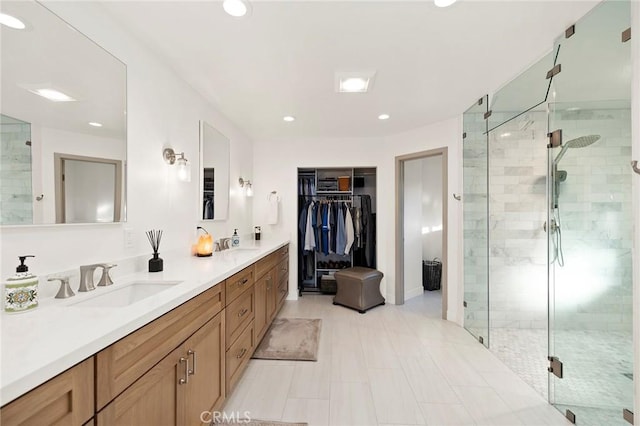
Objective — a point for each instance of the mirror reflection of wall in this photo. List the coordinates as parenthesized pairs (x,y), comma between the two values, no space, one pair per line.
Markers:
(214,173)
(90,122)
(15,169)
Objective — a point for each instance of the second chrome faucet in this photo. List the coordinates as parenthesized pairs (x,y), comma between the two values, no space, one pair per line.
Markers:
(87,272)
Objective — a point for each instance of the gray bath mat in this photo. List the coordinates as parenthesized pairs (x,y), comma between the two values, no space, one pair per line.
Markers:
(291,339)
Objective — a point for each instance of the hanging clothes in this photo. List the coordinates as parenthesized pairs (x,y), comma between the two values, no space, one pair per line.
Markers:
(368,230)
(349,230)
(310,240)
(325,229)
(341,238)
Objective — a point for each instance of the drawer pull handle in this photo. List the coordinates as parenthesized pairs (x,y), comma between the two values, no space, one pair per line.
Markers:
(243,282)
(242,312)
(193,361)
(241,354)
(185,379)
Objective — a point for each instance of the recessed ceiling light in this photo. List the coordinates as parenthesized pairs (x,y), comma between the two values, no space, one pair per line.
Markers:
(53,95)
(236,8)
(383,117)
(95,124)
(573,109)
(444,3)
(289,118)
(505,134)
(11,22)
(354,82)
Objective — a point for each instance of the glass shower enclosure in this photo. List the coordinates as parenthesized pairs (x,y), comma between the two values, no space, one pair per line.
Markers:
(559,224)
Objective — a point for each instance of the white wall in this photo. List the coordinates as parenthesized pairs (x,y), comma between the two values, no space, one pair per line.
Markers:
(275,171)
(162,110)
(432,207)
(412,232)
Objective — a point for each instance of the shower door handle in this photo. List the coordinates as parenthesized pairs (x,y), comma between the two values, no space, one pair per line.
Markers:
(634,166)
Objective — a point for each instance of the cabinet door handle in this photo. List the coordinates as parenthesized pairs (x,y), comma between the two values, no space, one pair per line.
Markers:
(193,361)
(242,312)
(241,354)
(185,379)
(243,282)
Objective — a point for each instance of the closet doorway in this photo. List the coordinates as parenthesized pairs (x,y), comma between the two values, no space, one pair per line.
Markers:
(421,229)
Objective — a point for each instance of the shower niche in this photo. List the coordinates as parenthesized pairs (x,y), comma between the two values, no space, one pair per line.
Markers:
(558,226)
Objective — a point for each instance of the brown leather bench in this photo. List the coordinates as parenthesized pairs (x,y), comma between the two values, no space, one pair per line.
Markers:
(358,288)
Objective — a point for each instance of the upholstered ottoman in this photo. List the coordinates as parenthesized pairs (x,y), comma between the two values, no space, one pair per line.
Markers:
(358,288)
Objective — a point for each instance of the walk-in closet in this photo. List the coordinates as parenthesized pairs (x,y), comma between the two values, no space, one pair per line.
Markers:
(336,224)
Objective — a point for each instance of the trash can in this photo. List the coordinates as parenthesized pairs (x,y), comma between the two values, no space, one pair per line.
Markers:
(431,274)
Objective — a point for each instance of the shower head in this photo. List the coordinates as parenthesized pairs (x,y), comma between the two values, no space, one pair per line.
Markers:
(581,142)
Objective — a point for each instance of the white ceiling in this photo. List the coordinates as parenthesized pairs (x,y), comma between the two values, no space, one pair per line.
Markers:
(430,63)
(49,53)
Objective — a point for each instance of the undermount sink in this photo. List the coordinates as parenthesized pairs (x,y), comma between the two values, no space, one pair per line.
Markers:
(126,294)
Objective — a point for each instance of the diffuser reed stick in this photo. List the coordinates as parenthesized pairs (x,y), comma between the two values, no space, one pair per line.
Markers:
(155,236)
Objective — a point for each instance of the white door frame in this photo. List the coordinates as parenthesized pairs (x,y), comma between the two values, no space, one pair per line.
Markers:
(400,164)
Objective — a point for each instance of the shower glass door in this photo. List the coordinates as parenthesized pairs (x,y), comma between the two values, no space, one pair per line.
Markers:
(590,221)
(476,227)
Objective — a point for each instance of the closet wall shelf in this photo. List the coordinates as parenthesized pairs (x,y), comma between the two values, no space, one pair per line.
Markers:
(334,192)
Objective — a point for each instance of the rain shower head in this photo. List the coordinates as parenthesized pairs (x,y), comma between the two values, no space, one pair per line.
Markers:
(581,142)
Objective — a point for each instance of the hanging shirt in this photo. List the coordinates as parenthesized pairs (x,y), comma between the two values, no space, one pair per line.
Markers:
(341,237)
(357,225)
(310,241)
(325,229)
(348,222)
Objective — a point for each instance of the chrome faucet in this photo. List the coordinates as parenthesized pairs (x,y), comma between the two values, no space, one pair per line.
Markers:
(223,244)
(65,289)
(86,277)
(106,280)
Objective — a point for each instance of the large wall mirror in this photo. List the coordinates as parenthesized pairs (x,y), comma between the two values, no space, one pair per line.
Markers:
(62,123)
(214,173)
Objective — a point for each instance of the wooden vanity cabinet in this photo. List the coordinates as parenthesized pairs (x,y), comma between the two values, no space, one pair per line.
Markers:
(171,370)
(180,388)
(67,399)
(121,364)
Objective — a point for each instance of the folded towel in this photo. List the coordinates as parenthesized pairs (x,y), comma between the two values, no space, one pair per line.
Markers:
(272,209)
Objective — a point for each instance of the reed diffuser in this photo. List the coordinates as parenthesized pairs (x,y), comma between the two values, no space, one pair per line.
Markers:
(155,263)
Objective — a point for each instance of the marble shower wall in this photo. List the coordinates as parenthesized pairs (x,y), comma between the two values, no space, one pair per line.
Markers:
(594,288)
(517,213)
(592,291)
(15,173)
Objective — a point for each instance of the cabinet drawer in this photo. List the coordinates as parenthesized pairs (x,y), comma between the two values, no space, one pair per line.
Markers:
(238,283)
(67,399)
(283,253)
(282,270)
(238,356)
(122,363)
(238,314)
(283,290)
(265,264)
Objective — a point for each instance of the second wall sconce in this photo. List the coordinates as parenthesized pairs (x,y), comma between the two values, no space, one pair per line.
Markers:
(247,185)
(184,167)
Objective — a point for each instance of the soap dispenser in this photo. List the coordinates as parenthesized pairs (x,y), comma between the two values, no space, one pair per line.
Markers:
(21,290)
(235,239)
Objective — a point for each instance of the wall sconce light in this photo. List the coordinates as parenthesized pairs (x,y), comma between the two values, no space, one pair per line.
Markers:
(247,184)
(184,167)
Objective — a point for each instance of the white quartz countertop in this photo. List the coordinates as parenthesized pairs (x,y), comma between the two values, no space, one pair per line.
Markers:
(38,345)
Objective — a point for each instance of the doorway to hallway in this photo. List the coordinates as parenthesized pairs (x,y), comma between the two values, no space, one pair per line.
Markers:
(421,228)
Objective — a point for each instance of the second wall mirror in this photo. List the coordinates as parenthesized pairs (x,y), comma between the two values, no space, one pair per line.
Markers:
(214,173)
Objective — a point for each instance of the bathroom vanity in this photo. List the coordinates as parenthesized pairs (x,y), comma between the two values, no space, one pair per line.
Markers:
(169,359)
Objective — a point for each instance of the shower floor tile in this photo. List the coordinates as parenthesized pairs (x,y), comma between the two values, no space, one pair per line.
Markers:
(597,366)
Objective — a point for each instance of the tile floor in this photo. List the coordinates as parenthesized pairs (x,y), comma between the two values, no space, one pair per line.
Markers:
(399,365)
